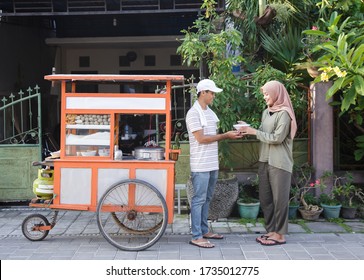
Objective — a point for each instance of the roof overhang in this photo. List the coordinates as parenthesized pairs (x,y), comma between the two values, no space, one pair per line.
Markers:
(127,42)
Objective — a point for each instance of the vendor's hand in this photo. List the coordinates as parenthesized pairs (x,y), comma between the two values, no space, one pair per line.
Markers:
(247,130)
(241,122)
(233,134)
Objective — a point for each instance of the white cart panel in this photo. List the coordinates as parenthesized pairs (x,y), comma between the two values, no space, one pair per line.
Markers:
(75,186)
(108,177)
(155,177)
(116,103)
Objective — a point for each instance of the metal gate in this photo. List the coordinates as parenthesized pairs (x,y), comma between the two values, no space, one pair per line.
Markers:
(20,143)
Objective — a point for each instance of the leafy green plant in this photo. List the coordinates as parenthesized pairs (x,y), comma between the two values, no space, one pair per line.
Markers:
(310,199)
(248,192)
(294,195)
(347,191)
(328,200)
(202,46)
(342,64)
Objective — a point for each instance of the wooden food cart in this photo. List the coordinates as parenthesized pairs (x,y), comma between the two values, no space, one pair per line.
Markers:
(133,198)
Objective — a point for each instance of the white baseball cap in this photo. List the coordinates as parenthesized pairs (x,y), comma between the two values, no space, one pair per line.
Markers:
(207,84)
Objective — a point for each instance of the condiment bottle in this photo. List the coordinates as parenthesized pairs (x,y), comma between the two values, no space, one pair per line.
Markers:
(118,154)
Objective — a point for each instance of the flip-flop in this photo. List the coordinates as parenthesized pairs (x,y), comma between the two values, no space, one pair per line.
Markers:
(275,242)
(214,236)
(259,239)
(203,244)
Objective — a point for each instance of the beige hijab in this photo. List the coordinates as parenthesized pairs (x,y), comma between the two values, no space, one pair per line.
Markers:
(281,101)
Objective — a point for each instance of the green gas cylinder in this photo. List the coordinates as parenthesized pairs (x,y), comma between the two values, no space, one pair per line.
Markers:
(43,185)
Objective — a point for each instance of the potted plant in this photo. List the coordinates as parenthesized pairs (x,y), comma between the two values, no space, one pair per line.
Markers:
(293,202)
(248,203)
(301,178)
(176,149)
(331,205)
(309,209)
(347,192)
(328,200)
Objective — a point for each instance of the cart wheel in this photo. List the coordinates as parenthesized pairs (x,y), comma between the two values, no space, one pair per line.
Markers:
(30,227)
(132,215)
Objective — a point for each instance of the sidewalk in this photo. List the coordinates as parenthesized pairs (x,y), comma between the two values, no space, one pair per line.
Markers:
(76,237)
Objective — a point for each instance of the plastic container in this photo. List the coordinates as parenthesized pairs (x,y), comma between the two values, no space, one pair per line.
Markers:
(118,154)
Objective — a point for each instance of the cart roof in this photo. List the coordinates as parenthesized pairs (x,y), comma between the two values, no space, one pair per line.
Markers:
(112,77)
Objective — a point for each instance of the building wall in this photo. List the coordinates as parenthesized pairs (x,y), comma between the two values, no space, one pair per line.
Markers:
(25,58)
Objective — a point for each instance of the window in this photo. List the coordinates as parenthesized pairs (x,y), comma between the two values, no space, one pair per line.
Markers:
(149,60)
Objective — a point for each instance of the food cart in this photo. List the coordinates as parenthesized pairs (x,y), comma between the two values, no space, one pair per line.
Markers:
(133,197)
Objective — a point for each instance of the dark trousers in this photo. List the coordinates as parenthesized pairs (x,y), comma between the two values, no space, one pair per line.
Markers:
(274,188)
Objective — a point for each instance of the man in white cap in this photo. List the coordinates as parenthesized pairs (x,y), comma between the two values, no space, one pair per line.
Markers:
(203,137)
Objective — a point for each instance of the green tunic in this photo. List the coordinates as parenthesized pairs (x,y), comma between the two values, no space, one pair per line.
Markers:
(275,141)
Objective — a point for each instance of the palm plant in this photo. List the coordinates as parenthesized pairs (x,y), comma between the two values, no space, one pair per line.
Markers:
(285,49)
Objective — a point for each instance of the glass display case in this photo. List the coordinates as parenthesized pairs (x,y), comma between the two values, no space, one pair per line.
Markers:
(87,135)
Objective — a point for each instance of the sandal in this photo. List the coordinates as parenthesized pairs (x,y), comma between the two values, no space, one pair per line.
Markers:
(213,236)
(202,244)
(272,242)
(262,237)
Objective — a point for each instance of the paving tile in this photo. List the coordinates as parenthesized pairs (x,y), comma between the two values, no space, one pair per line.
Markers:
(299,255)
(324,227)
(356,226)
(76,236)
(254,255)
(278,257)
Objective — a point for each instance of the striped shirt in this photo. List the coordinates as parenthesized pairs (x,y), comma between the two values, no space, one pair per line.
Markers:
(203,157)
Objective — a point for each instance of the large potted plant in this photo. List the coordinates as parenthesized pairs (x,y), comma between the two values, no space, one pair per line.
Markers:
(331,205)
(349,194)
(329,199)
(248,202)
(301,178)
(309,209)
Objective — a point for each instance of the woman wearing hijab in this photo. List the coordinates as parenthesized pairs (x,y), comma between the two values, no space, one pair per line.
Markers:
(275,134)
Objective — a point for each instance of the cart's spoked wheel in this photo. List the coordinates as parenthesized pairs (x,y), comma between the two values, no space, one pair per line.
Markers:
(31,227)
(132,215)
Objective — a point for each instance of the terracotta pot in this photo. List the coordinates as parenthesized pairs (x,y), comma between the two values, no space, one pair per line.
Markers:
(173,156)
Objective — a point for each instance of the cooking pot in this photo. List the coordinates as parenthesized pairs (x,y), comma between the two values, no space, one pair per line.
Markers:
(149,153)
